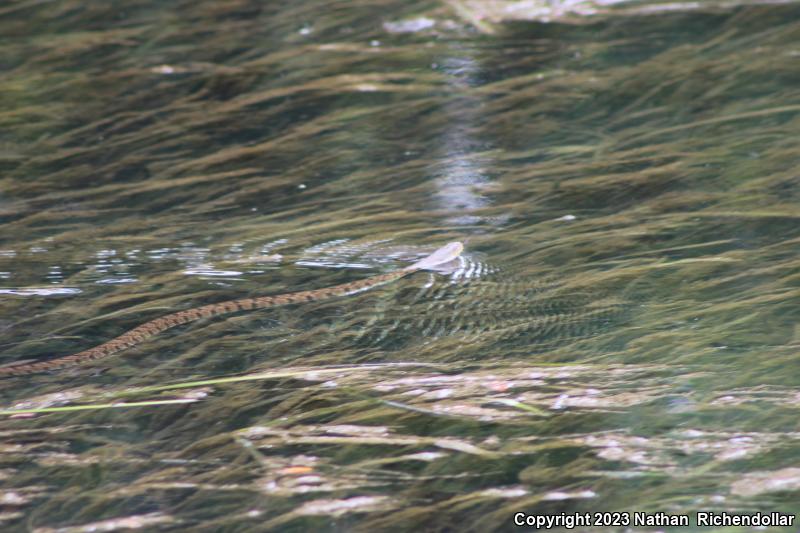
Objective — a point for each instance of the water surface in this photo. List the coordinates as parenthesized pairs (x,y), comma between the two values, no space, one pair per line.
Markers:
(621,334)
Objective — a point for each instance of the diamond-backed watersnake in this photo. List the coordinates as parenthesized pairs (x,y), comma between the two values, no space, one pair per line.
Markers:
(140,333)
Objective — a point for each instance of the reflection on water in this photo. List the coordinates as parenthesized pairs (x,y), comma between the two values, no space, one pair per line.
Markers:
(464,169)
(621,333)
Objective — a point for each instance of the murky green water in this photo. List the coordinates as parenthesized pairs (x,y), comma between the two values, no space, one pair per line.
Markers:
(621,334)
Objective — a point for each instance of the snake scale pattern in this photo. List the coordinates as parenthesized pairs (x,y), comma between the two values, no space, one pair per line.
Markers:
(140,333)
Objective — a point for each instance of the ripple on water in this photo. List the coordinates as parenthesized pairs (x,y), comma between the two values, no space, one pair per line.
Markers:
(343,253)
(40,291)
(114,281)
(208,270)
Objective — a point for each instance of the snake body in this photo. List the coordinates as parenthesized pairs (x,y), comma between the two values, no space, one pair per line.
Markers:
(140,333)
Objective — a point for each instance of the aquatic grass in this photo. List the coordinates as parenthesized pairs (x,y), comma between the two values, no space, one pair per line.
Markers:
(289,373)
(85,407)
(624,318)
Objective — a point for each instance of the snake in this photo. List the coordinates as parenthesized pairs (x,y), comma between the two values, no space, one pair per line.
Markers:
(139,334)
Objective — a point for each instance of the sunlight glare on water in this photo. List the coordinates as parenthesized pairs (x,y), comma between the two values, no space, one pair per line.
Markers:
(619,335)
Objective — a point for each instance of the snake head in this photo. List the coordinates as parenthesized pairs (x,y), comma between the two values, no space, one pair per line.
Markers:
(445,254)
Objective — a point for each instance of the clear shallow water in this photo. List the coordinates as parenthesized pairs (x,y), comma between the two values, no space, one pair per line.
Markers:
(622,335)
